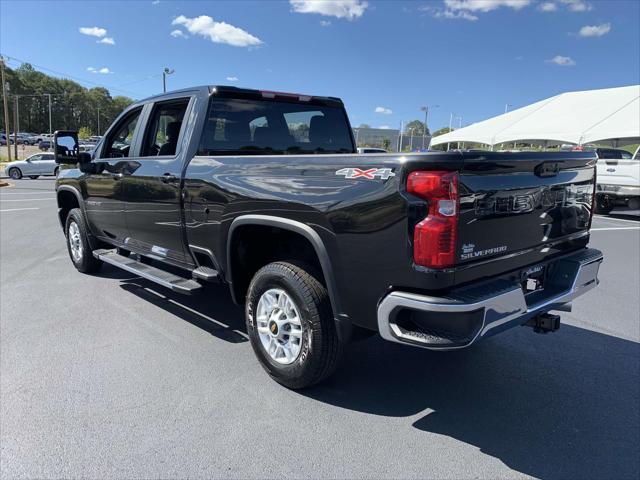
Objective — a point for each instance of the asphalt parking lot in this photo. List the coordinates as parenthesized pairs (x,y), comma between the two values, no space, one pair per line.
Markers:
(111,376)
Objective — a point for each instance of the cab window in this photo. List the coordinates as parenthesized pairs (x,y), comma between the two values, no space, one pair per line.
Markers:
(163,129)
(118,144)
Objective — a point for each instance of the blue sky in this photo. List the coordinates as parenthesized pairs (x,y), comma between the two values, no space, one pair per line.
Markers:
(470,57)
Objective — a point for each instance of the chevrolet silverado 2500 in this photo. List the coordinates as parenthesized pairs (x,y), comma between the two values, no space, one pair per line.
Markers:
(264,192)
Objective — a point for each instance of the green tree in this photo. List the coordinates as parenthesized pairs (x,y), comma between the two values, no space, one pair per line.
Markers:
(442,131)
(84,133)
(386,144)
(72,105)
(415,128)
(364,125)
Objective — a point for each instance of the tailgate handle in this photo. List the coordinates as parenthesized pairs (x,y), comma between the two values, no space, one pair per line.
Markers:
(547,169)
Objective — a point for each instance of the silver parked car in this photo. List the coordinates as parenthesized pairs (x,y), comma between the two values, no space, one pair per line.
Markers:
(33,166)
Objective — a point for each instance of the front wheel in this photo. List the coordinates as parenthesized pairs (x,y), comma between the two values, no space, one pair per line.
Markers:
(78,243)
(15,173)
(291,326)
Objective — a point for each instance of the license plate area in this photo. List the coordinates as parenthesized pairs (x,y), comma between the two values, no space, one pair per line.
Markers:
(533,279)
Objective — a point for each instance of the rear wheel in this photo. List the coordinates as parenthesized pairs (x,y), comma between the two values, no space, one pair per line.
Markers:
(78,243)
(15,173)
(291,326)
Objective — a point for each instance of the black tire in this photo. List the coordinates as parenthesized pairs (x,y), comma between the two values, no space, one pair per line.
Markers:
(85,262)
(55,171)
(15,173)
(320,349)
(603,205)
(34,177)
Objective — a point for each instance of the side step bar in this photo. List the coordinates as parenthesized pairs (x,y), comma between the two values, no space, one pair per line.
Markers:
(161,277)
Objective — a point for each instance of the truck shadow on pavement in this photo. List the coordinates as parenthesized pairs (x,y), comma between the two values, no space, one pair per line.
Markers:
(564,405)
(221,318)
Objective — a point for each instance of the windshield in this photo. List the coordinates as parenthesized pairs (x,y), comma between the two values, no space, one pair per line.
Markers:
(268,127)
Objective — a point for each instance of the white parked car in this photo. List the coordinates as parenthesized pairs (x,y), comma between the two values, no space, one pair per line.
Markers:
(371,150)
(33,166)
(618,177)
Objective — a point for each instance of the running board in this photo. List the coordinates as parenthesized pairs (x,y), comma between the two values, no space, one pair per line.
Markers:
(161,277)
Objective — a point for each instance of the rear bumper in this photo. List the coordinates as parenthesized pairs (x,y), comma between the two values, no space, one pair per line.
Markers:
(481,310)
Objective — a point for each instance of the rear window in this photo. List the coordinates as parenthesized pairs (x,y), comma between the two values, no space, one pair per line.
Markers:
(269,127)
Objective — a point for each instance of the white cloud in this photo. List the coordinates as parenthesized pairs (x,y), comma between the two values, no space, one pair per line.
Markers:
(577,5)
(349,9)
(562,61)
(325,23)
(177,34)
(484,6)
(595,30)
(217,32)
(155,2)
(93,31)
(232,79)
(468,9)
(107,41)
(547,7)
(103,70)
(383,110)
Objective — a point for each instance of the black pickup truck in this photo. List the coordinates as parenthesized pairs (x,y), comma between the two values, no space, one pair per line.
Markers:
(264,192)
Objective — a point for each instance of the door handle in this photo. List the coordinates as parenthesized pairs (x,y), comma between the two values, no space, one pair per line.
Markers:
(169,178)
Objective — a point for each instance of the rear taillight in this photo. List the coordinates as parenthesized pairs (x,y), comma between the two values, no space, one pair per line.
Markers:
(434,238)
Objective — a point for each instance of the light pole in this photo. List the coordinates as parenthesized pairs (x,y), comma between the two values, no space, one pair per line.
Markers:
(98,120)
(165,72)
(425,109)
(6,110)
(411,139)
(49,95)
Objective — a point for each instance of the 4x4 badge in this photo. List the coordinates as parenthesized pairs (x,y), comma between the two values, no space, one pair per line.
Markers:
(368,174)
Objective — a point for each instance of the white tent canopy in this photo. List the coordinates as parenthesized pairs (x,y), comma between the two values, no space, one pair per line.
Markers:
(610,115)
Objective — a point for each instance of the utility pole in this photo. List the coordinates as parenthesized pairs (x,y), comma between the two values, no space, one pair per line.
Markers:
(400,137)
(165,72)
(15,127)
(425,109)
(49,95)
(98,121)
(6,109)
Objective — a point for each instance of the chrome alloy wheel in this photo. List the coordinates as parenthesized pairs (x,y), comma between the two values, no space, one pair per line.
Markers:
(75,241)
(279,326)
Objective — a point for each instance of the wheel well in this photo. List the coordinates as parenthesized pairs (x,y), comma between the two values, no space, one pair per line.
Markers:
(66,201)
(254,246)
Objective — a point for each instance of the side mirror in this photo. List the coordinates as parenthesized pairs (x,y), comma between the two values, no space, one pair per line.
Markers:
(65,147)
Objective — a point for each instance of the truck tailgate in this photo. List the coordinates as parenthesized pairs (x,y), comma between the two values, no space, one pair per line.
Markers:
(516,202)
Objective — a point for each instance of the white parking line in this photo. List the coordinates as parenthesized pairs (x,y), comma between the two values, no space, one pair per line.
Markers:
(2,200)
(605,217)
(25,193)
(613,228)
(18,209)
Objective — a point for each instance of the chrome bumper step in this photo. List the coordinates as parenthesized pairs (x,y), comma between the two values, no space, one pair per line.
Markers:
(480,310)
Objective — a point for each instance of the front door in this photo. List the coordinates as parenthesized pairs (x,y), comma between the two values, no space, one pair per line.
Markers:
(152,191)
(104,190)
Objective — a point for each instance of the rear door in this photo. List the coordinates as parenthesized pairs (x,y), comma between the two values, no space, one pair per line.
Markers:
(514,203)
(45,164)
(152,191)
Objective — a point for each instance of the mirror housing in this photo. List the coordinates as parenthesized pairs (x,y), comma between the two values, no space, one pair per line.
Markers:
(66,148)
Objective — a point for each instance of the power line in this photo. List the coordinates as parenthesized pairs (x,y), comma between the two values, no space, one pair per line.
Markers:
(80,80)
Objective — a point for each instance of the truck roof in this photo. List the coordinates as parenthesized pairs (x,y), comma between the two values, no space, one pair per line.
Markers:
(226,90)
